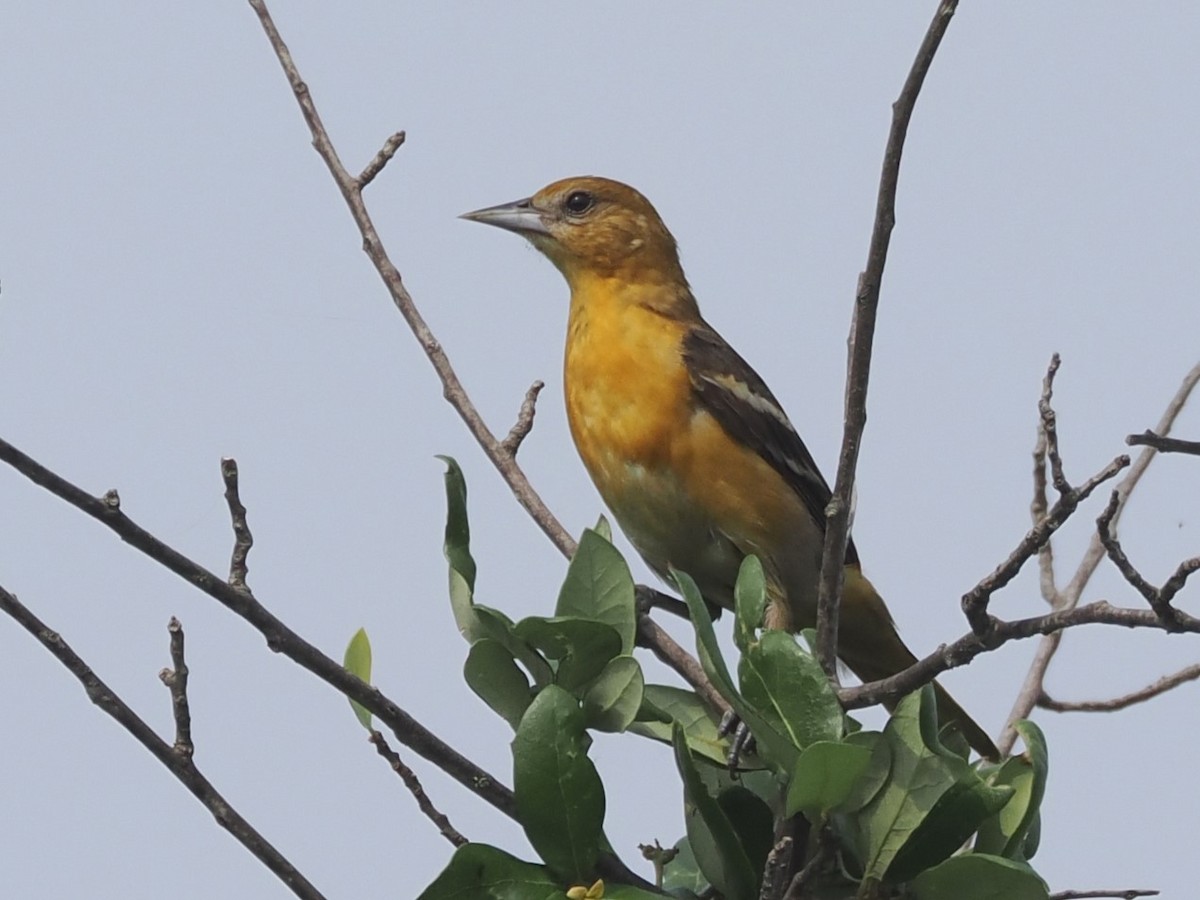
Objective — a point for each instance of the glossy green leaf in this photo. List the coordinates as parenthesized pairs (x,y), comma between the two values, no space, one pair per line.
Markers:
(977,876)
(752,822)
(560,798)
(663,704)
(599,587)
(786,685)
(1006,833)
(774,746)
(954,818)
(824,777)
(612,700)
(750,602)
(719,852)
(457,545)
(481,872)
(920,772)
(492,673)
(580,648)
(358,662)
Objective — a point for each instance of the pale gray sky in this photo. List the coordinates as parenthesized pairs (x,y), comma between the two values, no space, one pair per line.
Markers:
(180,281)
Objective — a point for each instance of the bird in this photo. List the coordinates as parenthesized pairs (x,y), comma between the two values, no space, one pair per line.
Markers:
(686,444)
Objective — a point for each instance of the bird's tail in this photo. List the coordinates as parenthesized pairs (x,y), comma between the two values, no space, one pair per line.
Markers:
(869,645)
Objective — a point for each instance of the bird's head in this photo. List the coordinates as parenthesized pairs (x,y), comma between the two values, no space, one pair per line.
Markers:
(592,227)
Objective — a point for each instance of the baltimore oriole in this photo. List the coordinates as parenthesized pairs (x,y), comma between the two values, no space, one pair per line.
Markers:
(685,442)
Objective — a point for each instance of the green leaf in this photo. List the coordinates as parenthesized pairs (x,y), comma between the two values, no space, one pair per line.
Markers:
(774,746)
(492,673)
(457,545)
(683,872)
(598,587)
(612,700)
(920,772)
(750,602)
(752,822)
(358,662)
(663,704)
(560,798)
(481,872)
(721,856)
(953,819)
(581,648)
(628,892)
(825,775)
(1005,835)
(787,686)
(603,528)
(977,876)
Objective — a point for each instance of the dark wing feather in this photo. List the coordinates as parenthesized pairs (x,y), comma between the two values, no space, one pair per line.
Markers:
(723,384)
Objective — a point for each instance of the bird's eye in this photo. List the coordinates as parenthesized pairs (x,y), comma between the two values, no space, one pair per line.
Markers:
(578,202)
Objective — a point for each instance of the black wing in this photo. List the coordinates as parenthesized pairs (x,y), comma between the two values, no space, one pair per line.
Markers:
(734,394)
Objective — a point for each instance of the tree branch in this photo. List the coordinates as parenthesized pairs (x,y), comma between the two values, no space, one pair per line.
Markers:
(1032,688)
(176,680)
(524,423)
(243,540)
(862,336)
(439,818)
(1120,895)
(1163,444)
(970,645)
(280,638)
(177,758)
(452,389)
(1164,684)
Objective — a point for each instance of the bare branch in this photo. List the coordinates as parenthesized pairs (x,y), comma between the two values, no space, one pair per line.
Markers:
(1039,509)
(1164,684)
(180,764)
(448,831)
(381,159)
(651,636)
(975,601)
(243,540)
(176,679)
(999,632)
(862,336)
(826,846)
(1158,598)
(280,638)
(452,388)
(524,424)
(1163,444)
(1120,895)
(1032,688)
(779,861)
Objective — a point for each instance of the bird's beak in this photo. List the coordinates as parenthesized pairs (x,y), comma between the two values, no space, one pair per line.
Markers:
(519,216)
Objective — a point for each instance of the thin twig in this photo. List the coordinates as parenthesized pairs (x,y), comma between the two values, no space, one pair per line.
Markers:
(381,159)
(862,336)
(1039,508)
(1163,444)
(651,636)
(1158,598)
(825,847)
(1049,424)
(1033,686)
(975,601)
(439,818)
(179,764)
(970,645)
(176,680)
(524,423)
(280,638)
(1164,684)
(243,540)
(1120,895)
(452,388)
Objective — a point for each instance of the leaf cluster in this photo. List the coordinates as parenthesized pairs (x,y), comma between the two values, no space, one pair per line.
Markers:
(898,807)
